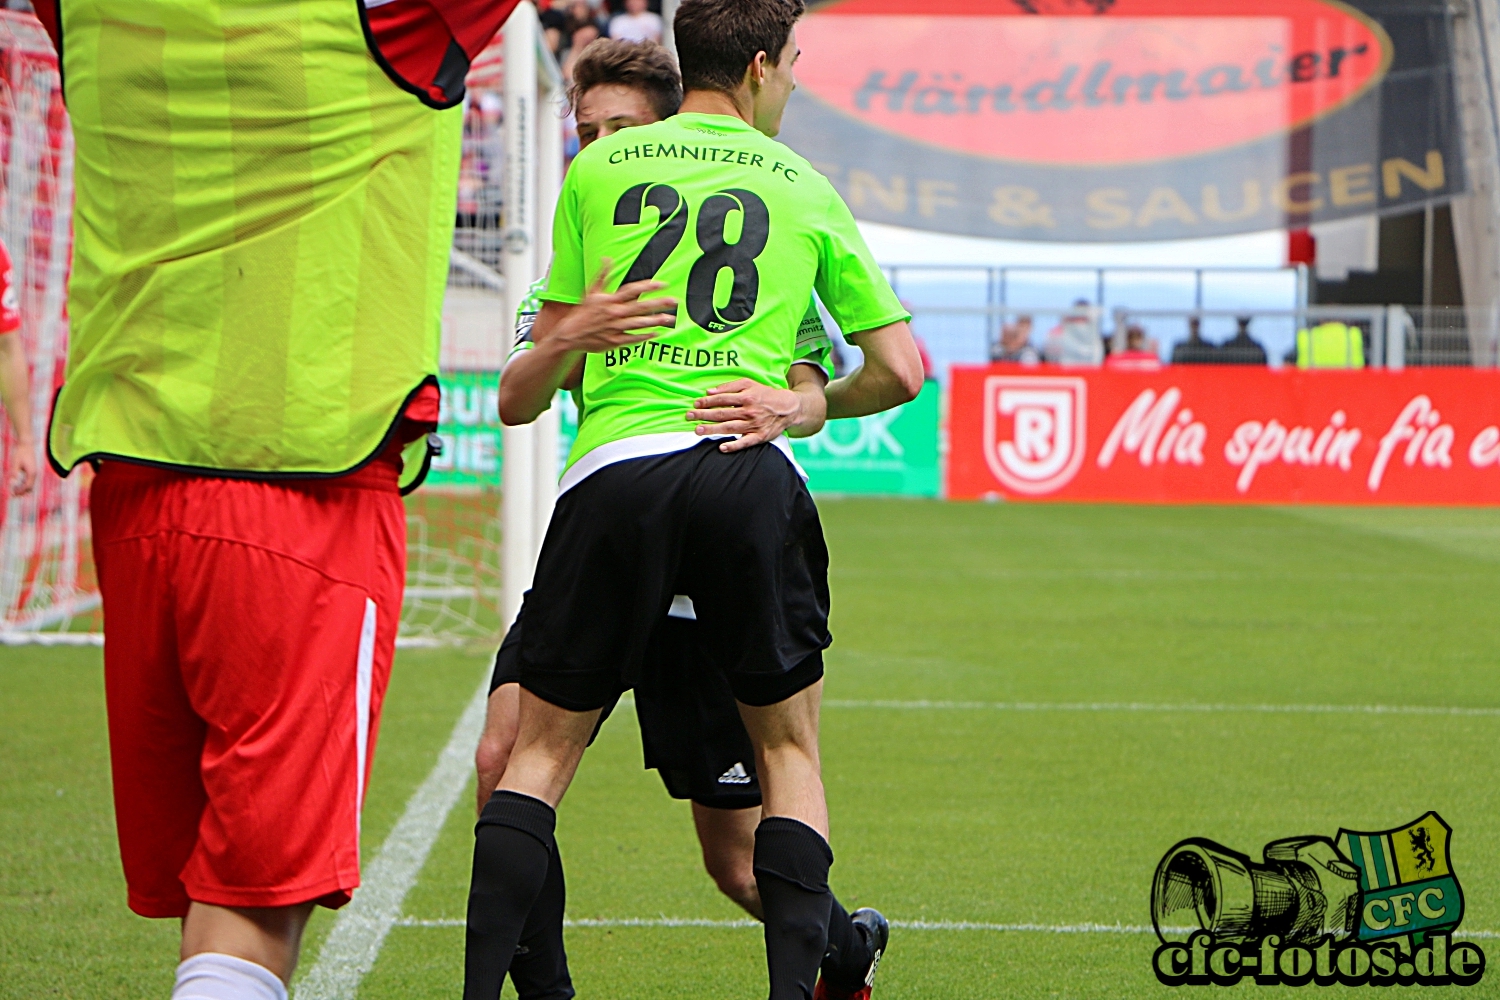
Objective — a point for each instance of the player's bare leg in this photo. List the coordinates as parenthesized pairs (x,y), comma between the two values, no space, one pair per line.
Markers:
(548,748)
(271,938)
(539,968)
(514,847)
(728,840)
(502,724)
(786,752)
(792,856)
(807,929)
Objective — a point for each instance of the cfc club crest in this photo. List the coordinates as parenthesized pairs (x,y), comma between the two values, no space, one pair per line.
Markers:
(1034,431)
(1376,909)
(1406,884)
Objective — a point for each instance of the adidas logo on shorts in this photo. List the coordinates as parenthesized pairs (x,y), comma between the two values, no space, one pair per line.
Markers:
(736,775)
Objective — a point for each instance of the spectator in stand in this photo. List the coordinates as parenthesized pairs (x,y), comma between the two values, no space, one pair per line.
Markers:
(1243,349)
(1137,355)
(1334,344)
(580,14)
(554,21)
(637,24)
(1075,340)
(551,15)
(581,40)
(1195,350)
(1015,343)
(15,387)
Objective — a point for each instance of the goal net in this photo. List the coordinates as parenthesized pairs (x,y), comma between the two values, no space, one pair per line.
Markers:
(48,590)
(46,573)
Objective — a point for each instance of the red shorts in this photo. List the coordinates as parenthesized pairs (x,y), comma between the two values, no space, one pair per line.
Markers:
(251,628)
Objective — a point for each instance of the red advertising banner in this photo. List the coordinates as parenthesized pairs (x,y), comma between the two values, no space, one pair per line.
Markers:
(1220,434)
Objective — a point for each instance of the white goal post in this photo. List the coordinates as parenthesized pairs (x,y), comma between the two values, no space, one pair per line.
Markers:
(534,169)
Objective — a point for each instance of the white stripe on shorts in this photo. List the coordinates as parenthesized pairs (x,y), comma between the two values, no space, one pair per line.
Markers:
(364,671)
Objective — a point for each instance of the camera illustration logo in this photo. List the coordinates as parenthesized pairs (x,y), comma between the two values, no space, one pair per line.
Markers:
(1363,908)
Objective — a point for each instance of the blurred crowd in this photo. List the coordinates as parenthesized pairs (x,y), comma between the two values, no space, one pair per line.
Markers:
(1078,340)
(568,27)
(571,24)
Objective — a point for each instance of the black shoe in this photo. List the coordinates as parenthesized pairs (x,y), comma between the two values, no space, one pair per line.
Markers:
(876,930)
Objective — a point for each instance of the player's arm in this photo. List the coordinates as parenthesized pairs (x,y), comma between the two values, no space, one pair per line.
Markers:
(564,333)
(890,375)
(15,397)
(761,413)
(862,302)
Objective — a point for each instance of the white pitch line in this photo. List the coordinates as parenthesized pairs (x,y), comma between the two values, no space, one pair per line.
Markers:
(359,931)
(910,925)
(1133,706)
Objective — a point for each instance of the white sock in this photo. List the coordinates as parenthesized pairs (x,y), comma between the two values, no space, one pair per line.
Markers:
(210,976)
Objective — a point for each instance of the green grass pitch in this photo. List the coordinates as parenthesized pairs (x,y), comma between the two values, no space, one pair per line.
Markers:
(969,814)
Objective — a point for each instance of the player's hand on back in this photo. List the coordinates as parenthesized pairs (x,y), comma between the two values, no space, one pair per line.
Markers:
(759,413)
(606,321)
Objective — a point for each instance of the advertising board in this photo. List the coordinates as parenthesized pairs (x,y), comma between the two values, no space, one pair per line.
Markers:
(469,424)
(1117,120)
(891,453)
(1222,434)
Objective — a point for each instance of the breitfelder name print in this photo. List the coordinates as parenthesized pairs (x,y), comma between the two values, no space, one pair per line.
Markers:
(657,352)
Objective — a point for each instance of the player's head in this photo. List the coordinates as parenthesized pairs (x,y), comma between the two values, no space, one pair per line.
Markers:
(742,48)
(619,84)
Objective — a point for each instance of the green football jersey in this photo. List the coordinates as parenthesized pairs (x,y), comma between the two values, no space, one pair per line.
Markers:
(814,346)
(741,230)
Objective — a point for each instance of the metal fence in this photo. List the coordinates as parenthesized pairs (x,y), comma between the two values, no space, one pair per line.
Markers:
(973,314)
(1388,336)
(1453,336)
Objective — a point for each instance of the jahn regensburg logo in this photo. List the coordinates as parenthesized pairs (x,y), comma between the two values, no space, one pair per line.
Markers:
(1364,908)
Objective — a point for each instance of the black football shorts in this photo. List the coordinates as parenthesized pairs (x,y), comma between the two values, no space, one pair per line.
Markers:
(508,667)
(737,533)
(691,729)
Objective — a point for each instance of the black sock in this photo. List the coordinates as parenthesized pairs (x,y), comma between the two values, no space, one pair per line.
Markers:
(540,968)
(513,846)
(791,870)
(847,960)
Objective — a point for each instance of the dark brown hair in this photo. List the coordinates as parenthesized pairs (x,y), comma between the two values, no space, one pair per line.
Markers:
(644,65)
(717,40)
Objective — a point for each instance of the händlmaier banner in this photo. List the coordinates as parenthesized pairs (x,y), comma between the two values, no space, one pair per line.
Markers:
(1120,120)
(1211,433)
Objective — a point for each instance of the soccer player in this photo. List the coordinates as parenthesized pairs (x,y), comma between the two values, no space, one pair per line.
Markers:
(689,724)
(263,220)
(15,391)
(741,230)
